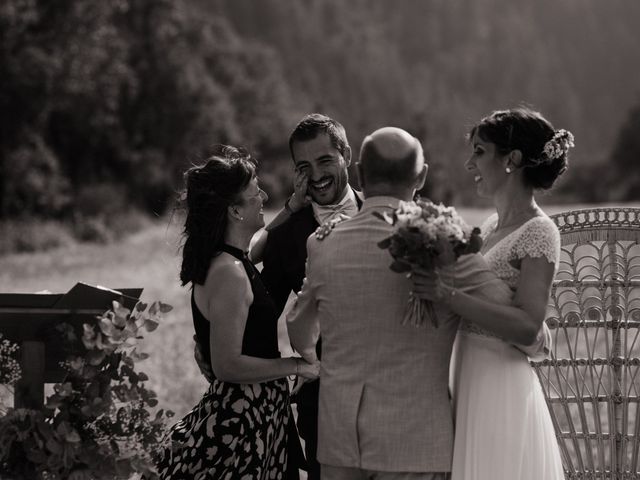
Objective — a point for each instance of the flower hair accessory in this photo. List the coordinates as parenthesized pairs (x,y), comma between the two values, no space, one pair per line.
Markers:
(559,145)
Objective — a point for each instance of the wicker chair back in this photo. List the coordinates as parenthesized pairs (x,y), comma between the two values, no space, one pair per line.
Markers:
(591,381)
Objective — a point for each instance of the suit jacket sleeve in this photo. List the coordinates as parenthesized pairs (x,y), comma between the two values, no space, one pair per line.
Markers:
(303,320)
(273,274)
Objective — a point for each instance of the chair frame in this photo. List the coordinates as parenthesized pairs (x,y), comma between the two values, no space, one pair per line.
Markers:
(591,381)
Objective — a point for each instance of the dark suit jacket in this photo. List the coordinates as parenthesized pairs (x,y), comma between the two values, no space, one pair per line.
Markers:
(283,263)
(285,254)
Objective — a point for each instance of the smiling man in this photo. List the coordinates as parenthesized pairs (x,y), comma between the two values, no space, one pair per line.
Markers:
(322,157)
(321,154)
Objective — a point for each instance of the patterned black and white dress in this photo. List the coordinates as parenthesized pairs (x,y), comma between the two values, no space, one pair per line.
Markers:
(236,431)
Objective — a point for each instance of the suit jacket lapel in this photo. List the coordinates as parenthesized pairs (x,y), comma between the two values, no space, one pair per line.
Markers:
(359,197)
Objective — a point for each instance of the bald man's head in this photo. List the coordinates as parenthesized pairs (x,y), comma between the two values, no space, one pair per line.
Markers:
(391,156)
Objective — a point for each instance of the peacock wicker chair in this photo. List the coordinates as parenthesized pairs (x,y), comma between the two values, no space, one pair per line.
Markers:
(591,381)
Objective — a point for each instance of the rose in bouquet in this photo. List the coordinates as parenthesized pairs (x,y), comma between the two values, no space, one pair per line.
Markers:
(430,236)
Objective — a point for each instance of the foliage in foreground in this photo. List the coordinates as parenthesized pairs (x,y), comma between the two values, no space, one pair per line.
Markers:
(99,423)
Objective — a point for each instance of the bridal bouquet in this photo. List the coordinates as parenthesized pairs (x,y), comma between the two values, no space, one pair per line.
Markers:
(427,235)
(435,237)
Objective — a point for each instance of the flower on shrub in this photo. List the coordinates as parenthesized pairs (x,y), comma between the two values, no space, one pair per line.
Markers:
(98,423)
(10,371)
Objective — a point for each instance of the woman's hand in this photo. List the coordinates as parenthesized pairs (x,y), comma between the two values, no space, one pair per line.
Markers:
(308,371)
(300,198)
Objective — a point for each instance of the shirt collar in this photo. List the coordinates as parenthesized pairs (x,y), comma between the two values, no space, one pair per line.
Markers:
(380,201)
(347,205)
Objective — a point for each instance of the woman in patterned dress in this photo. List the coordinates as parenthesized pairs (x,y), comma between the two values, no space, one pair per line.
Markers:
(238,430)
(503,426)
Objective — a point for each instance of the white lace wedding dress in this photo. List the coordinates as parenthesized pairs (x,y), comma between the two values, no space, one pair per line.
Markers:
(503,426)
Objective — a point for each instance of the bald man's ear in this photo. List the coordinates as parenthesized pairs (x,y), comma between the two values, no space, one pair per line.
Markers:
(422,176)
(360,174)
(347,155)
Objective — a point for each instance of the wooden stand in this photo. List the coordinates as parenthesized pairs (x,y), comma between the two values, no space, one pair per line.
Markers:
(30,320)
(29,392)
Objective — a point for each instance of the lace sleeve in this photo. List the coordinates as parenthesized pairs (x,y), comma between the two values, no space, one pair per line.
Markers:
(539,238)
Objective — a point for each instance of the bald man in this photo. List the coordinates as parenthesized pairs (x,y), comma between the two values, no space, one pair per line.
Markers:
(384,409)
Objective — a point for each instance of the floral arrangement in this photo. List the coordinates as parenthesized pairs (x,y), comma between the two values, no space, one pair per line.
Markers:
(429,236)
(97,424)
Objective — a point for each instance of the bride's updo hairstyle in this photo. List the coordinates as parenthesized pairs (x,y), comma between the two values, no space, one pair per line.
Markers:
(544,149)
(210,189)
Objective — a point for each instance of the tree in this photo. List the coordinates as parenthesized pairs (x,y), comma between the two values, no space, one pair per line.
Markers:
(623,180)
(63,68)
(126,93)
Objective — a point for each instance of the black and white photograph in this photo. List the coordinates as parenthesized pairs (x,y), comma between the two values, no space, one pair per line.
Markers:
(319,240)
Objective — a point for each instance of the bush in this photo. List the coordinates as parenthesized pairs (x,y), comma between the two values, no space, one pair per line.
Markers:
(101,421)
(92,229)
(108,228)
(103,213)
(100,199)
(128,222)
(33,235)
(33,181)
(623,181)
(36,235)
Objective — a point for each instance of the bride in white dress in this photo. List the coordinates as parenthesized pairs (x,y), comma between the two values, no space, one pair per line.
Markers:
(503,426)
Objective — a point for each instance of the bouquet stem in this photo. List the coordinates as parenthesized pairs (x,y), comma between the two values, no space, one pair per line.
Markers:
(416,311)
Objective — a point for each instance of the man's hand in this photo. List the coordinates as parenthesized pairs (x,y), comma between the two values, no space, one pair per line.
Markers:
(203,365)
(300,197)
(327,227)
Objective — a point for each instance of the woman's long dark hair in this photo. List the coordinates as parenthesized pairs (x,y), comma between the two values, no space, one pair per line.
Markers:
(210,189)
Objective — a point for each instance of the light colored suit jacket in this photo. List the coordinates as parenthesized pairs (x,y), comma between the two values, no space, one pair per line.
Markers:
(384,402)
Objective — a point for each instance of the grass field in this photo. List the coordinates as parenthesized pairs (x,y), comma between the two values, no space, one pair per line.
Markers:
(148,259)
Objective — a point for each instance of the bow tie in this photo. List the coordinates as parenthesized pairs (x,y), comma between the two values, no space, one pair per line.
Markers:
(324,213)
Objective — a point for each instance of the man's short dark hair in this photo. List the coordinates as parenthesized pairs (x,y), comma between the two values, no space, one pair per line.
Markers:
(315,124)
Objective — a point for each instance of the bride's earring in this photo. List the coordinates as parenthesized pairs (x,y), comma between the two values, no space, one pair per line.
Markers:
(508,169)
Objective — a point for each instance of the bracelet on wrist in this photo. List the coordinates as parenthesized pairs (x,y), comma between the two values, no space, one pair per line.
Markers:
(451,294)
(293,376)
(447,294)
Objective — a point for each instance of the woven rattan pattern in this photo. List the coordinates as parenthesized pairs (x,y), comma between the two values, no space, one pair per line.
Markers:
(591,381)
